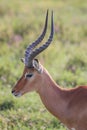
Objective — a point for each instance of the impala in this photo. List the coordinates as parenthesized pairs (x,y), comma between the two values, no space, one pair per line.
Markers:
(68,105)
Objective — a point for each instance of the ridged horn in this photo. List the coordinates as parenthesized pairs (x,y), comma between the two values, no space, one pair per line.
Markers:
(44,46)
(30,48)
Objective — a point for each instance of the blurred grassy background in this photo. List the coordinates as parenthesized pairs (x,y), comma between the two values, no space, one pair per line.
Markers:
(21,22)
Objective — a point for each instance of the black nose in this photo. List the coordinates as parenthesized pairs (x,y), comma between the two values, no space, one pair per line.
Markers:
(13,91)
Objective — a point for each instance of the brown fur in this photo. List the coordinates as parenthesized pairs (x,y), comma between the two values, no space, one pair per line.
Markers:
(69,106)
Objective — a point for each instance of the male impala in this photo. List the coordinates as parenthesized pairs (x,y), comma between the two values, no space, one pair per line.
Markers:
(69,106)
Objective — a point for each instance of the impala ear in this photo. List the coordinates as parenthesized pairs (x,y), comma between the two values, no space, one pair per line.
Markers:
(37,66)
(23,60)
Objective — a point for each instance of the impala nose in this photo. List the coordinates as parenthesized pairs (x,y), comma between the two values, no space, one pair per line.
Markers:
(13,91)
(16,94)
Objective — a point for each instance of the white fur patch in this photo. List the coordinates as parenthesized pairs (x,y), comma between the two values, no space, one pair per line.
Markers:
(73,129)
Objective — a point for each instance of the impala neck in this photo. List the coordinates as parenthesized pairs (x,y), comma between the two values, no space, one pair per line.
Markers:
(53,97)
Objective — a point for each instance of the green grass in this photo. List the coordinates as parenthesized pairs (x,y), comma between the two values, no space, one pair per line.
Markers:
(66,59)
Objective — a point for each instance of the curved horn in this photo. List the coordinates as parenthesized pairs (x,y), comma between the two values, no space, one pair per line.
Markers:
(43,47)
(29,49)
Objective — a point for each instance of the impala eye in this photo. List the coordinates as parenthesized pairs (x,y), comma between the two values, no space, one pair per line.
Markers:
(28,75)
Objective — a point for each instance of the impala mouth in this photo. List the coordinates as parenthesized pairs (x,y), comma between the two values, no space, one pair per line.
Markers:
(16,94)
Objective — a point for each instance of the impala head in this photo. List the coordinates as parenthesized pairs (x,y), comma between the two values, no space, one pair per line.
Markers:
(33,70)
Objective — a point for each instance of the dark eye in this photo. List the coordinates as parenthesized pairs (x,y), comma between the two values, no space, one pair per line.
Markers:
(28,75)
